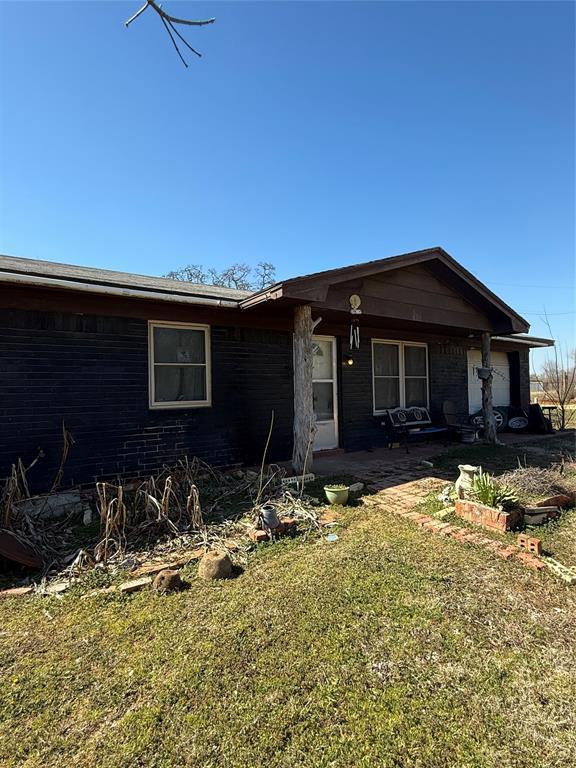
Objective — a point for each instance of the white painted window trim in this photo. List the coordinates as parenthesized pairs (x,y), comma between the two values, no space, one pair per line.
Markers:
(401,376)
(179,404)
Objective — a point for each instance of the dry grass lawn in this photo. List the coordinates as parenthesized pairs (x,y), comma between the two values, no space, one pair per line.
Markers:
(390,647)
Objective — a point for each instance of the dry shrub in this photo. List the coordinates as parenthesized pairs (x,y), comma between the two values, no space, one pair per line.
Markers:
(535,482)
(163,505)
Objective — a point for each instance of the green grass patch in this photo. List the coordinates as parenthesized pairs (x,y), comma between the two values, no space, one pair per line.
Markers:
(492,458)
(430,505)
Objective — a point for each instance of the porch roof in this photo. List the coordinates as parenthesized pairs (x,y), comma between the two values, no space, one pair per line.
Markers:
(533,342)
(440,293)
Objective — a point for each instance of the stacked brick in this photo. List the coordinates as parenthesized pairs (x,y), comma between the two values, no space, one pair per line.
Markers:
(466,536)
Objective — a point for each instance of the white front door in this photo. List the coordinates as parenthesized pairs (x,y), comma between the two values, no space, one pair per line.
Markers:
(500,380)
(325,394)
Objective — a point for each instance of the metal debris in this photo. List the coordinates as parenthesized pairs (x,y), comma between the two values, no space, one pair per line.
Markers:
(14,547)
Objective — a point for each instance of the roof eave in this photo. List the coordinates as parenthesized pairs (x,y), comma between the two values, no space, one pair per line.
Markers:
(534,342)
(268,294)
(48,270)
(109,290)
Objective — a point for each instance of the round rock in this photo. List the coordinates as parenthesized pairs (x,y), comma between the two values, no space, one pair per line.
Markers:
(167,581)
(215,565)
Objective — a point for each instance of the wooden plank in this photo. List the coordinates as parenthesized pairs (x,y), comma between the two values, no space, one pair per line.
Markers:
(271,316)
(388,308)
(423,295)
(436,261)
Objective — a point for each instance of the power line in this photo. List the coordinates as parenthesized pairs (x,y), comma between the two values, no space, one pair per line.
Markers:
(542,313)
(533,285)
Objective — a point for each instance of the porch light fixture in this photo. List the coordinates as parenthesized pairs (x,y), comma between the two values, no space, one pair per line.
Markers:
(349,361)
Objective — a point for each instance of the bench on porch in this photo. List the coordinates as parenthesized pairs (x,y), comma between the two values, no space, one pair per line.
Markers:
(404,424)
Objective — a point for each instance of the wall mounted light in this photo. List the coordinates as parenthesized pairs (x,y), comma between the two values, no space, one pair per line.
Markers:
(348,361)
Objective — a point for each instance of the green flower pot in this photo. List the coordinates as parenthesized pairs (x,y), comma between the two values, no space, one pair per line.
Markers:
(336,494)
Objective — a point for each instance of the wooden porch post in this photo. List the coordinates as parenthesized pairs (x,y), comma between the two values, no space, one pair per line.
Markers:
(490,434)
(304,420)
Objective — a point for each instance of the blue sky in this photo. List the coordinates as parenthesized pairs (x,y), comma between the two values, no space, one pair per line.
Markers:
(311,135)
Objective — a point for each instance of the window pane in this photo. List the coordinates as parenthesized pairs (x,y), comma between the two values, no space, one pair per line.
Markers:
(179,345)
(415,361)
(323,401)
(321,359)
(386,393)
(173,383)
(386,359)
(416,392)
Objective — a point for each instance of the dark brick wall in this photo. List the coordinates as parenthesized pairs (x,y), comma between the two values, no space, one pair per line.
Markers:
(359,428)
(92,372)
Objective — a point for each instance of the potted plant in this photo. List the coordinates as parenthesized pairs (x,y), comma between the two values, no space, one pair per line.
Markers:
(337,493)
(490,504)
(487,490)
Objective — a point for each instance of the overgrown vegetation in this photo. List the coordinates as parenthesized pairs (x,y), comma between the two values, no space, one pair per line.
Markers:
(182,507)
(533,483)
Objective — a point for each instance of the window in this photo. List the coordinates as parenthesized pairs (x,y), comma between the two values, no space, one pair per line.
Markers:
(400,374)
(179,357)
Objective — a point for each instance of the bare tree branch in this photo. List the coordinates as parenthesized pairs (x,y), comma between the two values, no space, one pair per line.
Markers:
(168,22)
(239,276)
(558,378)
(182,59)
(174,20)
(138,12)
(186,43)
(265,273)
(193,273)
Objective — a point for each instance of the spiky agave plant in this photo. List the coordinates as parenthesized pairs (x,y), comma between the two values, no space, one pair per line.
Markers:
(487,490)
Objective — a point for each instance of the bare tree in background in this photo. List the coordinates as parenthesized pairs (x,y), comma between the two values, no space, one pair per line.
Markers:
(240,276)
(265,275)
(193,273)
(558,380)
(169,23)
(235,276)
